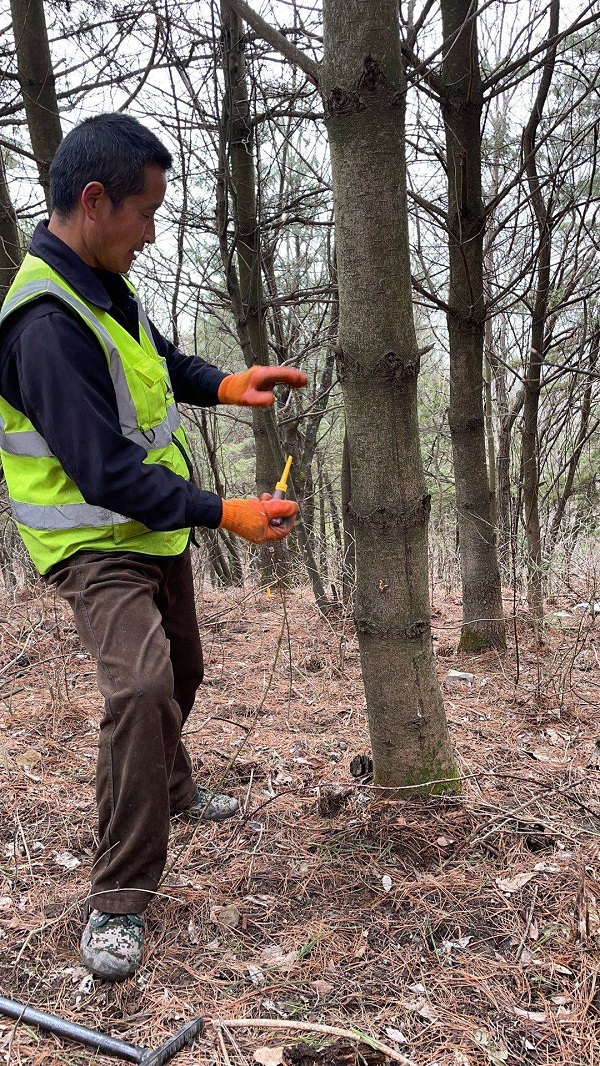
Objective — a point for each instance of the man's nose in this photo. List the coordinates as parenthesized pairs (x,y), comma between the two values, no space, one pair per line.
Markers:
(150,232)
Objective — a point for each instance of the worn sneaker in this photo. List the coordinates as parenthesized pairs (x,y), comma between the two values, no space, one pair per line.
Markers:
(112,944)
(210,806)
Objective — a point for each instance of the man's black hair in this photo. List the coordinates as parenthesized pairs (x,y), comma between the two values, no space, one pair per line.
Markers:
(113,149)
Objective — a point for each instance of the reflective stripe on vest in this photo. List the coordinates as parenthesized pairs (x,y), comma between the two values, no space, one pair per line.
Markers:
(159,436)
(29,443)
(68,516)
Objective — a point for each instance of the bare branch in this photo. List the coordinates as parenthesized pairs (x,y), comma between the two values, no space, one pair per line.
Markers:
(276,39)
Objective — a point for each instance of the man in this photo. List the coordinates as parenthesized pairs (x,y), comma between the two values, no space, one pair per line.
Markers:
(99,478)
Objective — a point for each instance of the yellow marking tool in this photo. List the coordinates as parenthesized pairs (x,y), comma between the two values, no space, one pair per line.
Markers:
(281,486)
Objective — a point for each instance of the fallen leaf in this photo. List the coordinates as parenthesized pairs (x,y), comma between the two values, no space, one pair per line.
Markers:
(269,1056)
(531,1015)
(513,884)
(229,916)
(322,988)
(554,737)
(427,1011)
(450,945)
(256,974)
(26,760)
(395,1034)
(66,859)
(386,881)
(496,1053)
(274,955)
(543,755)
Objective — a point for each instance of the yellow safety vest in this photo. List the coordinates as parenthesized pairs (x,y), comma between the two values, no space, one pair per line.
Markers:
(52,516)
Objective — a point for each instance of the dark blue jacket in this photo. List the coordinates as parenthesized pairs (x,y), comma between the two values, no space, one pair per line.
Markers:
(54,371)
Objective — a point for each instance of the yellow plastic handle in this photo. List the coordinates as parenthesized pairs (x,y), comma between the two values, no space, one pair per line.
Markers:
(281,485)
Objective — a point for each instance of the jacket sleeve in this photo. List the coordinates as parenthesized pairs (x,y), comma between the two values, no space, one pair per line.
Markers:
(194,381)
(67,393)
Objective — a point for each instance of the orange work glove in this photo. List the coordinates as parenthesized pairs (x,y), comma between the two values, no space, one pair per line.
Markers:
(252,518)
(254,387)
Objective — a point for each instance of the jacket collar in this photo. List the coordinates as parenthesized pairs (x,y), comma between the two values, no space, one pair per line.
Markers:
(69,265)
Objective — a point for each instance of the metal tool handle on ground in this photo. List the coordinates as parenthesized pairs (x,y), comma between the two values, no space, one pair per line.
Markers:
(109,1045)
(174,1044)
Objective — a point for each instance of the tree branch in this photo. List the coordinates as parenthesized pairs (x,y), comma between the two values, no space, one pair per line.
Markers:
(276,39)
(430,296)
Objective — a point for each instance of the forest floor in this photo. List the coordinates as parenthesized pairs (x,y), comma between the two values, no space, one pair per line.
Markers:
(457,931)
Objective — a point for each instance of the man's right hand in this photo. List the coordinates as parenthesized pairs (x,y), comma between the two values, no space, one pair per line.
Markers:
(251,519)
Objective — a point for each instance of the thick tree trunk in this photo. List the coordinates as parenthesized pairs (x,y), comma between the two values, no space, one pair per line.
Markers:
(363,89)
(10,245)
(483,624)
(36,78)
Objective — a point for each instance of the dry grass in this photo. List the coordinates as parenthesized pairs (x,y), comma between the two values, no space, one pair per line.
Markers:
(469,925)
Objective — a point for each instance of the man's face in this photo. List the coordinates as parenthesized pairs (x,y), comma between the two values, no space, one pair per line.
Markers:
(119,233)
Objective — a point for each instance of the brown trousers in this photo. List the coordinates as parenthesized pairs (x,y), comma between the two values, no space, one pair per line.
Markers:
(136,616)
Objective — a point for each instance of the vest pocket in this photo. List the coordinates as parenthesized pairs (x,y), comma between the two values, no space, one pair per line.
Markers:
(148,385)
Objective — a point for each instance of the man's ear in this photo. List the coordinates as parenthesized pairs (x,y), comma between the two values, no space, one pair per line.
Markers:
(93,198)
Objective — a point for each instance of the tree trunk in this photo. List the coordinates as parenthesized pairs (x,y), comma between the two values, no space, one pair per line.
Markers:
(483,624)
(349,548)
(335,525)
(238,135)
(537,353)
(10,245)
(231,543)
(507,417)
(36,78)
(489,433)
(236,175)
(582,436)
(364,89)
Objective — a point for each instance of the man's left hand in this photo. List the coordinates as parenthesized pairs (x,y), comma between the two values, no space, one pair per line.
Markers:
(254,387)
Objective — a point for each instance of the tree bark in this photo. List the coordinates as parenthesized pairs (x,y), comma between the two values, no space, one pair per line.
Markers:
(36,78)
(582,435)
(349,546)
(507,417)
(537,353)
(239,140)
(237,176)
(483,624)
(363,88)
(10,245)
